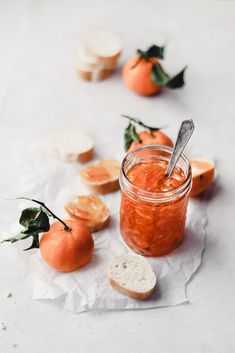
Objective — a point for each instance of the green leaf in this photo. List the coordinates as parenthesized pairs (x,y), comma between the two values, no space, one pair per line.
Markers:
(130,135)
(156,52)
(35,243)
(35,221)
(38,224)
(17,237)
(139,122)
(160,77)
(177,81)
(142,53)
(28,214)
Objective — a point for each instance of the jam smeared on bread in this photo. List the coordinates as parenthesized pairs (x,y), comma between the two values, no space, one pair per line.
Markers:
(102,177)
(91,210)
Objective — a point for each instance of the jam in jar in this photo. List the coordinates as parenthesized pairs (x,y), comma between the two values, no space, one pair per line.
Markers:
(153,208)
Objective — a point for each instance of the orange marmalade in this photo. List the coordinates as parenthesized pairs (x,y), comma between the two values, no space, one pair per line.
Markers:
(153,208)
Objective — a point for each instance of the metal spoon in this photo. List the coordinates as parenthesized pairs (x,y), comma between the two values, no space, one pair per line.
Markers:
(184,134)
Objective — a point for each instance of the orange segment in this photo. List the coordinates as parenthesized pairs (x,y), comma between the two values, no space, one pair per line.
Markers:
(202,176)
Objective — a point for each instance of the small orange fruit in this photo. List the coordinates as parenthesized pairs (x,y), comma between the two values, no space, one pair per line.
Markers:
(151,138)
(65,250)
(136,74)
(202,176)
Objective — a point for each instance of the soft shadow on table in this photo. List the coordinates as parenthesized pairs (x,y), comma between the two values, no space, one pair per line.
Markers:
(214,190)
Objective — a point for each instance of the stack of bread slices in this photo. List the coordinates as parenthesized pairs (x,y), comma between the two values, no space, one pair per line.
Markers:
(98,55)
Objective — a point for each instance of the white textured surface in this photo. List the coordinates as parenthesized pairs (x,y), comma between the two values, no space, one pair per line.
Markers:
(57,183)
(39,90)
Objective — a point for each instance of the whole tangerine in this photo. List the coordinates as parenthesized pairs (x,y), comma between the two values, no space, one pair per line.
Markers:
(151,138)
(136,74)
(67,250)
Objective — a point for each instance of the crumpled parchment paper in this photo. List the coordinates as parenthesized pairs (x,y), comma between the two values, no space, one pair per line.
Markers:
(46,178)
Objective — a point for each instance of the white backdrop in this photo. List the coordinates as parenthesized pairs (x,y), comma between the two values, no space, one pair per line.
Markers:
(39,91)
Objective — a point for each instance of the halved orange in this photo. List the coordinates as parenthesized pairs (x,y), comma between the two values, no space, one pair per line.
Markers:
(202,175)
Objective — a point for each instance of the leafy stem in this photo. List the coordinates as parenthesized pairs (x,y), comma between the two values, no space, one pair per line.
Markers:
(35,220)
(66,227)
(139,122)
(131,134)
(152,52)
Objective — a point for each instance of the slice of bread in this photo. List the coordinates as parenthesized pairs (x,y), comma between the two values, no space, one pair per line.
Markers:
(93,75)
(105,46)
(102,177)
(89,68)
(72,145)
(132,276)
(90,210)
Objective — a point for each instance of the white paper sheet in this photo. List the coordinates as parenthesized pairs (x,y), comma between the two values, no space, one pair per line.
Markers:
(46,178)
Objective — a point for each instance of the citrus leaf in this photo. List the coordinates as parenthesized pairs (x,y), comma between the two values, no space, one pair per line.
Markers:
(177,81)
(28,214)
(156,52)
(34,220)
(152,52)
(142,54)
(17,237)
(35,243)
(130,135)
(158,75)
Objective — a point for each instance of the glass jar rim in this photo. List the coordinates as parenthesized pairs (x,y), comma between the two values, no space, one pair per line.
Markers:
(162,196)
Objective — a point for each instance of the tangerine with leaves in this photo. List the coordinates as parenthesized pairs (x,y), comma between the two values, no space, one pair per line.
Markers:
(144,74)
(151,136)
(65,246)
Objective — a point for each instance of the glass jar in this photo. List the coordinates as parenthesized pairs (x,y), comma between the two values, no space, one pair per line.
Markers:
(153,223)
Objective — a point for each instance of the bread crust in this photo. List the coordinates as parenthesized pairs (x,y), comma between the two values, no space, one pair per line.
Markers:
(130,293)
(106,186)
(85,156)
(109,62)
(73,157)
(90,76)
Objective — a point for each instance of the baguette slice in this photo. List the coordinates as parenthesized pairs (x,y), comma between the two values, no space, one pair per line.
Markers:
(93,75)
(89,68)
(72,145)
(105,46)
(132,276)
(90,210)
(102,177)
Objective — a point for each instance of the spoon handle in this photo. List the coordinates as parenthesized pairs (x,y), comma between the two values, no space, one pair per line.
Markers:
(184,134)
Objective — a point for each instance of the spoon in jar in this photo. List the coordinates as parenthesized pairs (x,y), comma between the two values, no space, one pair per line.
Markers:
(184,134)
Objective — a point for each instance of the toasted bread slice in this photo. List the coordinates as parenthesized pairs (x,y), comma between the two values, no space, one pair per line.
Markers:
(89,68)
(102,177)
(132,276)
(93,75)
(90,210)
(105,46)
(72,145)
